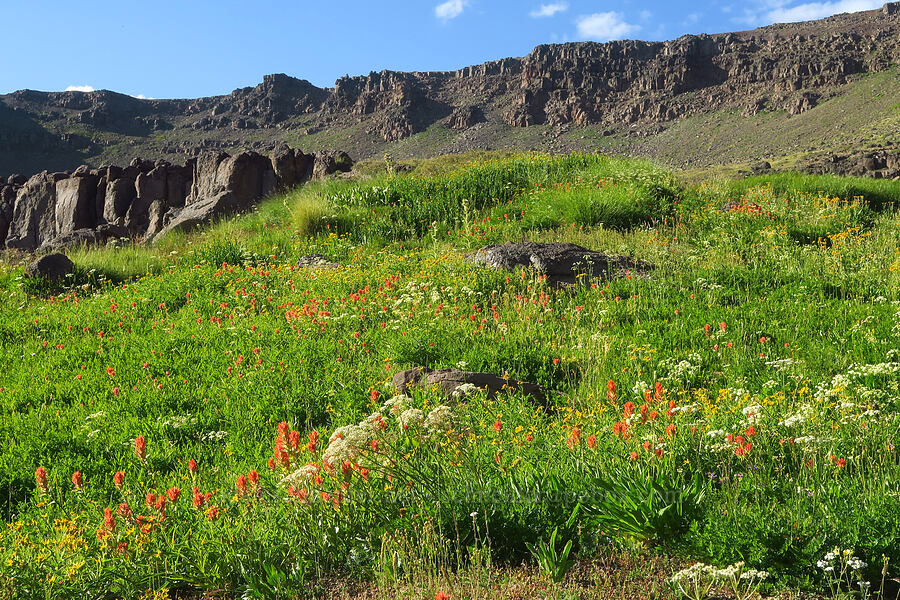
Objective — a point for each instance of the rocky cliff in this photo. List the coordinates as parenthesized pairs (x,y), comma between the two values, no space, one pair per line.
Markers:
(145,200)
(616,88)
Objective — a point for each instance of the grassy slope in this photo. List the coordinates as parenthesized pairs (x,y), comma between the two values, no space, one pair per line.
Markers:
(204,359)
(862,113)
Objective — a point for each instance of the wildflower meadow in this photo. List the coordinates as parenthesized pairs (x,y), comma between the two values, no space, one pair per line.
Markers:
(205,419)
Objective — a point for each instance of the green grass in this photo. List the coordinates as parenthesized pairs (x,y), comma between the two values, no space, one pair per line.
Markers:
(776,320)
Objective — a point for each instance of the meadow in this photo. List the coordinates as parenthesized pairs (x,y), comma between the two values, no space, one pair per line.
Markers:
(203,417)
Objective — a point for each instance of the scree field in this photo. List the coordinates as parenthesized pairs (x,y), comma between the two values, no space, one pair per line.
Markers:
(205,418)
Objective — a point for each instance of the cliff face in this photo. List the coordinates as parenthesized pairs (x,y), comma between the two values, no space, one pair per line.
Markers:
(782,67)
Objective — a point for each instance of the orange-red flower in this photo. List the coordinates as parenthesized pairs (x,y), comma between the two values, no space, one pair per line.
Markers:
(40,476)
(140,448)
(119,479)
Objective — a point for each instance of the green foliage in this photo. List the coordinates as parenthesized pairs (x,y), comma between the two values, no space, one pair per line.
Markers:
(552,563)
(646,505)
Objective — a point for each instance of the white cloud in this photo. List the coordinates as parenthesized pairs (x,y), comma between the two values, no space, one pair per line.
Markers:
(819,10)
(646,15)
(79,88)
(450,9)
(548,10)
(603,27)
(143,97)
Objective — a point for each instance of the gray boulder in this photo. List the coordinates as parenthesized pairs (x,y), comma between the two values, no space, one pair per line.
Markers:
(150,187)
(76,206)
(327,163)
(52,267)
(156,218)
(196,213)
(448,382)
(34,213)
(247,176)
(291,166)
(562,263)
(117,200)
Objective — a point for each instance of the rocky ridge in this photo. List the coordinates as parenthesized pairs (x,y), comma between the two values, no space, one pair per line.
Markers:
(619,85)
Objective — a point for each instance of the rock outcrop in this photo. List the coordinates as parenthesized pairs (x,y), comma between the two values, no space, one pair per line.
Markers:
(147,199)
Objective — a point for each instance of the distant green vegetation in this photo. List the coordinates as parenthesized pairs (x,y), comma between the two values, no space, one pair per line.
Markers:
(738,404)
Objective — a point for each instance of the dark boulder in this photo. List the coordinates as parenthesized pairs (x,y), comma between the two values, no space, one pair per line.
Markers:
(156,218)
(562,263)
(292,167)
(248,176)
(327,163)
(51,267)
(448,382)
(7,200)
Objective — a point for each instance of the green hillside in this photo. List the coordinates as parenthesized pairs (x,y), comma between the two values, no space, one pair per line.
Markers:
(736,402)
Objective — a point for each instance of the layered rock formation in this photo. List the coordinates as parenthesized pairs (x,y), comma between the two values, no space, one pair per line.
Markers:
(147,199)
(788,68)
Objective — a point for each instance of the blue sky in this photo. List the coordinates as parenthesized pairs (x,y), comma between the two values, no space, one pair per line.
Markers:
(191,48)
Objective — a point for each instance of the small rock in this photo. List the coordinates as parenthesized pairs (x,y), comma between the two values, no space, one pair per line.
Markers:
(316,261)
(449,380)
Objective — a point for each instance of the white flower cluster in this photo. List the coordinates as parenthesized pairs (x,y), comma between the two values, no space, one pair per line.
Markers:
(888,368)
(464,390)
(213,436)
(680,370)
(731,573)
(349,442)
(783,364)
(839,560)
(439,420)
(346,443)
(177,421)
(638,388)
(412,417)
(803,414)
(753,413)
(809,440)
(839,384)
(687,409)
(300,476)
(396,405)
